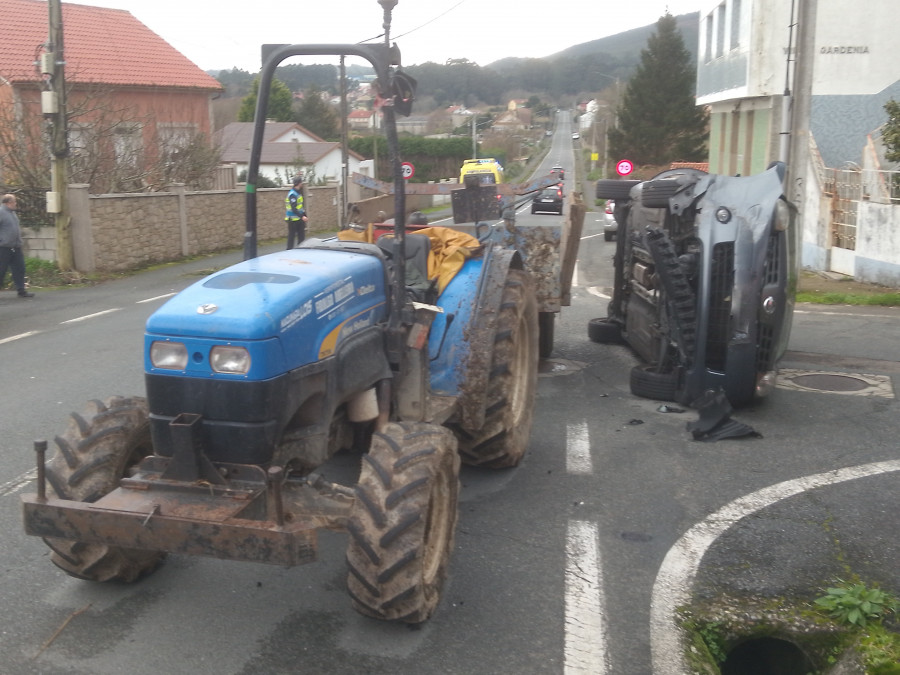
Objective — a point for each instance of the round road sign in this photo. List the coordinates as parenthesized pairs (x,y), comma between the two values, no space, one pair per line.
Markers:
(624,167)
(408,170)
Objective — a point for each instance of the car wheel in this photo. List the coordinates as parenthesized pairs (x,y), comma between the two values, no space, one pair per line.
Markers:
(607,236)
(608,188)
(646,382)
(605,332)
(655,194)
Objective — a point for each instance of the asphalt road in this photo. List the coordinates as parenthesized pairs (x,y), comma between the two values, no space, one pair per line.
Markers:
(572,563)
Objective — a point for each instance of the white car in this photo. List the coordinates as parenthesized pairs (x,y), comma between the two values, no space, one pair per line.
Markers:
(576,136)
(610,226)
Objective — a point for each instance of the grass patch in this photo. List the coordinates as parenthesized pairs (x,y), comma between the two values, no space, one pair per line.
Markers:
(833,298)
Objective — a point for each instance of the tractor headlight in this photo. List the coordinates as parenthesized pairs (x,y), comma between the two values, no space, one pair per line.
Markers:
(169,355)
(226,359)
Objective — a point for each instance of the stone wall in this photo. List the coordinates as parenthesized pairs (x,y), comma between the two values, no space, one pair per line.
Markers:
(122,232)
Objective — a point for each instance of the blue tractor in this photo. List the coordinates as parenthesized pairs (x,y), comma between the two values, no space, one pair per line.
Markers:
(258,374)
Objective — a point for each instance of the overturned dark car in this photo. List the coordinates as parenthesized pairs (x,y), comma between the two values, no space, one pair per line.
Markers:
(705,278)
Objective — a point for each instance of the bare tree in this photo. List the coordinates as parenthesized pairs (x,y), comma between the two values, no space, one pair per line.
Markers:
(106,145)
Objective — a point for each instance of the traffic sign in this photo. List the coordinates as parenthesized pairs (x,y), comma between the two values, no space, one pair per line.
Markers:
(624,167)
(408,170)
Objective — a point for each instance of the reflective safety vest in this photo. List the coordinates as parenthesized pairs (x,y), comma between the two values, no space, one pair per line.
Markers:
(293,205)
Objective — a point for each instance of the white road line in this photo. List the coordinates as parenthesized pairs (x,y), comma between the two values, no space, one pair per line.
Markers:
(595,290)
(19,336)
(586,626)
(17,483)
(675,579)
(158,297)
(591,236)
(578,449)
(91,316)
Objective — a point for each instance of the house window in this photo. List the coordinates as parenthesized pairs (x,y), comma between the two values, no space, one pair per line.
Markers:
(127,144)
(735,23)
(175,137)
(709,38)
(720,30)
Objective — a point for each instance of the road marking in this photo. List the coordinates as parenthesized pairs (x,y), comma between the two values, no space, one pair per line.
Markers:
(578,449)
(586,626)
(91,316)
(158,297)
(17,483)
(591,236)
(19,336)
(675,579)
(595,290)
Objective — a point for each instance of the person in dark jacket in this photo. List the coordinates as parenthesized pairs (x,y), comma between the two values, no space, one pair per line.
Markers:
(11,254)
(295,213)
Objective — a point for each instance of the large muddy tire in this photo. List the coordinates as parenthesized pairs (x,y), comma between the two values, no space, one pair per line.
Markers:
(512,381)
(102,444)
(545,333)
(401,529)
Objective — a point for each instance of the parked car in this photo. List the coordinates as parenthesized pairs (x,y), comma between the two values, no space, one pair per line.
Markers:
(548,199)
(558,170)
(576,136)
(705,277)
(610,226)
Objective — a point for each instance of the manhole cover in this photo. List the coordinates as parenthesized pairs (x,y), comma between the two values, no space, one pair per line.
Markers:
(827,382)
(551,367)
(853,384)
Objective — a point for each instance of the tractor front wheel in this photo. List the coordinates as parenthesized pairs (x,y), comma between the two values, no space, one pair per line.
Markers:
(401,529)
(100,446)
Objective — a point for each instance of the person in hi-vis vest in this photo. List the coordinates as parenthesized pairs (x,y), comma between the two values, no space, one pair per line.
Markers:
(295,214)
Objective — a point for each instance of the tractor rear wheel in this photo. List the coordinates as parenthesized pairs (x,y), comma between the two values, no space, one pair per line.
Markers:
(401,529)
(512,381)
(100,446)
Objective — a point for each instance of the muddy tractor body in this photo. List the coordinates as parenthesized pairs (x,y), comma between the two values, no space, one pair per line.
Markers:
(257,375)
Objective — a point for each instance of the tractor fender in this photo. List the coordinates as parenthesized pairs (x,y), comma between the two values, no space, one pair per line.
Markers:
(475,367)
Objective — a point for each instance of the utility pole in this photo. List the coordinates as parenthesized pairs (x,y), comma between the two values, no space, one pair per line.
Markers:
(345,160)
(53,106)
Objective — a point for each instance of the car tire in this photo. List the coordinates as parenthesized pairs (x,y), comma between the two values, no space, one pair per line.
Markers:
(655,194)
(607,236)
(608,188)
(605,332)
(646,382)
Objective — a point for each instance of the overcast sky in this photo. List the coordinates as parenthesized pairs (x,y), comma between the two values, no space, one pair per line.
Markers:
(228,33)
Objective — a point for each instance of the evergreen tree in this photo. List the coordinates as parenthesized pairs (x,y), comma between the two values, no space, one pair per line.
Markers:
(659,121)
(279,108)
(891,132)
(317,115)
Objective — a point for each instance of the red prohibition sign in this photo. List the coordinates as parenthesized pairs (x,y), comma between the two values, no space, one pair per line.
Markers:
(624,167)
(408,170)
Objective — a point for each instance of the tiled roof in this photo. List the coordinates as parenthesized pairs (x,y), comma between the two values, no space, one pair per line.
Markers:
(100,45)
(701,166)
(236,138)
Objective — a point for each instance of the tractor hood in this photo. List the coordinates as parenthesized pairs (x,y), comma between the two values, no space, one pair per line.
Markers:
(268,296)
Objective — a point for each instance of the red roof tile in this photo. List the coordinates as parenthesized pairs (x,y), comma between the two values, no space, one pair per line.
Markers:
(101,45)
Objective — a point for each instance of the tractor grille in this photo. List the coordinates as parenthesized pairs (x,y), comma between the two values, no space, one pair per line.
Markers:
(721,286)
